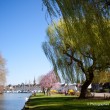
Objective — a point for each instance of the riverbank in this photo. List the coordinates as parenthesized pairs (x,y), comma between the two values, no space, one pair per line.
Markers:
(61,102)
(27,101)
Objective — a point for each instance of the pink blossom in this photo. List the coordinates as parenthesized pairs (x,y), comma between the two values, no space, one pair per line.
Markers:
(50,80)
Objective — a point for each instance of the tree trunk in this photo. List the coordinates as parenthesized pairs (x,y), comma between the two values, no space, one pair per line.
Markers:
(89,79)
(43,90)
(48,92)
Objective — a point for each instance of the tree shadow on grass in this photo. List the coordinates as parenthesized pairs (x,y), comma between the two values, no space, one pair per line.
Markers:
(64,103)
(70,107)
(49,100)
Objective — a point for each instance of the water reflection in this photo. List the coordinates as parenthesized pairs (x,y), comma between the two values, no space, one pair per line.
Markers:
(13,101)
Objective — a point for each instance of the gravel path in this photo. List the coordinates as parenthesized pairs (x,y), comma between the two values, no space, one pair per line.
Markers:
(101,94)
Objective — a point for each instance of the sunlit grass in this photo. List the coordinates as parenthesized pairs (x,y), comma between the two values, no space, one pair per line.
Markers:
(62,102)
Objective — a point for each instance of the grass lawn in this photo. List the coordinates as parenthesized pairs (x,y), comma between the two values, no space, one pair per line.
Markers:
(61,102)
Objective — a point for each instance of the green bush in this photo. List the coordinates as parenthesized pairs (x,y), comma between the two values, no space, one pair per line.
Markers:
(106,90)
(97,91)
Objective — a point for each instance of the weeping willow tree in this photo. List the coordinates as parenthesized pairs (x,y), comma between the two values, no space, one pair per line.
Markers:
(81,41)
(77,8)
(74,53)
(93,11)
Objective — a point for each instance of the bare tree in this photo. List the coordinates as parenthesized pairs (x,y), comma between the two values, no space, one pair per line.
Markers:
(3,72)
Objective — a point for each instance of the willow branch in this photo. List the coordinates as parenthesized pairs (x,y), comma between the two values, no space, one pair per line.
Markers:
(78,61)
(88,56)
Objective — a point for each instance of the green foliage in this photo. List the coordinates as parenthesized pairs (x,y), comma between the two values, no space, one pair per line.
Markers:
(78,8)
(78,44)
(95,29)
(80,41)
(106,90)
(101,77)
(97,91)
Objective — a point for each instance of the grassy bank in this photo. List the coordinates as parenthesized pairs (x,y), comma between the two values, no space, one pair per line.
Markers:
(61,102)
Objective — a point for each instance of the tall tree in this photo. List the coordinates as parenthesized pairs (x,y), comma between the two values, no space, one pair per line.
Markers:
(2,71)
(74,52)
(86,29)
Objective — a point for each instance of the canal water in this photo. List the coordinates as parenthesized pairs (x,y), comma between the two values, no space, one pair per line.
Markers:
(13,101)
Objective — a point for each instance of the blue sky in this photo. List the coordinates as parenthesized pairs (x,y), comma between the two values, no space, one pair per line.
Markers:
(22,31)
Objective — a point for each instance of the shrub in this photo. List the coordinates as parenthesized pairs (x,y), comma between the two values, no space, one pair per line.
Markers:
(71,92)
(54,91)
(106,90)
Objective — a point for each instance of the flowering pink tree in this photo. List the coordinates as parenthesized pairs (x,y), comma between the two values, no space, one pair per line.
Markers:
(48,81)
